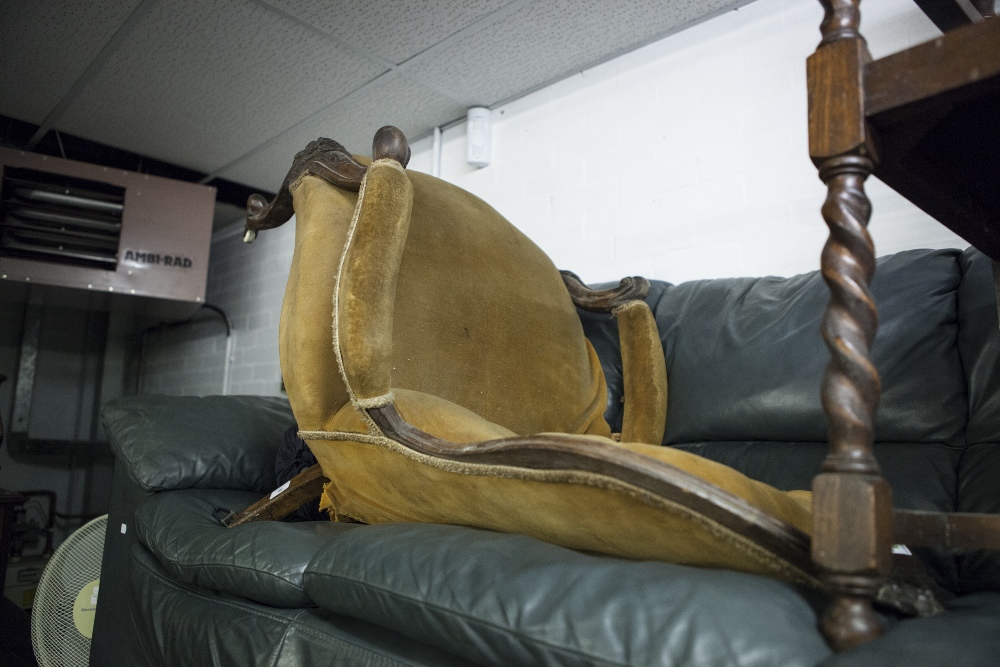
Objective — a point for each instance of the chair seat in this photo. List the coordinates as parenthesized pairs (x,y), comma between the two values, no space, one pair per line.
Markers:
(567,504)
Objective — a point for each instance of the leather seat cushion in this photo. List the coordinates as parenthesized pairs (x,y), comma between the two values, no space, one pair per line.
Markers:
(498,599)
(967,634)
(261,561)
(193,626)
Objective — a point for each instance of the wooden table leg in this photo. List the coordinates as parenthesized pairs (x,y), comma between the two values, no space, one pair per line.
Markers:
(852,504)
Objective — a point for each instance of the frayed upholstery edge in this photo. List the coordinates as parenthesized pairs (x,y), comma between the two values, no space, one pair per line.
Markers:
(375,401)
(634,303)
(341,436)
(336,287)
(387,162)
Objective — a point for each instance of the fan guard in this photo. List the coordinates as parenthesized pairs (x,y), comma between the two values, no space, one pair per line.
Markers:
(62,615)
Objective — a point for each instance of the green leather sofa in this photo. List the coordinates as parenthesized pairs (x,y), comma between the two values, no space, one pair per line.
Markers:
(744,358)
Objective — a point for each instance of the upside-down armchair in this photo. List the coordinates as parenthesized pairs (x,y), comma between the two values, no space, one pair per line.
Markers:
(438,370)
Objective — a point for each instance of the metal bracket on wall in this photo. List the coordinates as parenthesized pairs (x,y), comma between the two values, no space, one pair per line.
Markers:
(18,441)
(24,386)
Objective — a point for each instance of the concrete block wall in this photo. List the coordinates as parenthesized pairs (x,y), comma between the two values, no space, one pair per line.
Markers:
(188,360)
(685,159)
(248,283)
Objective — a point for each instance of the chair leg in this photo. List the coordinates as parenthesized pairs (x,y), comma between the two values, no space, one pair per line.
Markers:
(306,486)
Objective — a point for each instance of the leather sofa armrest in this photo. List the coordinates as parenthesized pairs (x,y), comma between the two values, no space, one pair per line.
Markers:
(184,442)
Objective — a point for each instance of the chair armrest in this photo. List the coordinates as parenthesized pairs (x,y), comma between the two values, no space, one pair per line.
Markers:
(183,442)
(644,369)
(644,374)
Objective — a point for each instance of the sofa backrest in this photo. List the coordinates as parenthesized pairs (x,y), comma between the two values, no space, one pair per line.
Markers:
(745,356)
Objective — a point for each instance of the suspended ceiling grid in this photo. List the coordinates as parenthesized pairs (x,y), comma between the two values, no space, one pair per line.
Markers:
(234,88)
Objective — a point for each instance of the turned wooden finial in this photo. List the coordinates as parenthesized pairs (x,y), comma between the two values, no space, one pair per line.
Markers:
(841,21)
(390,142)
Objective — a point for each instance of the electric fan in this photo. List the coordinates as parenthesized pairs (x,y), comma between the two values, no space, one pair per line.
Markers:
(62,615)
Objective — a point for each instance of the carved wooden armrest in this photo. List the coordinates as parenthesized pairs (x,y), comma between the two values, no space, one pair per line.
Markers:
(644,369)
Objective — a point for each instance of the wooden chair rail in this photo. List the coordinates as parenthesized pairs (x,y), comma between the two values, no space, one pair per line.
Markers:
(956,530)
(968,56)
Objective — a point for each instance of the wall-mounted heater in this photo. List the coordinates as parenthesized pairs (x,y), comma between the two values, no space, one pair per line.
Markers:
(79,225)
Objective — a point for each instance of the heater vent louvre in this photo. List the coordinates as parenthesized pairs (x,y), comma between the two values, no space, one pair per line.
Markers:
(60,219)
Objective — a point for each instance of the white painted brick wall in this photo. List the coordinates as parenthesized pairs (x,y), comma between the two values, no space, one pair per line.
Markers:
(685,159)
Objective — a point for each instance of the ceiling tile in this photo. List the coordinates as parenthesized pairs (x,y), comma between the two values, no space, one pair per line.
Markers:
(390,29)
(200,84)
(546,41)
(45,45)
(390,100)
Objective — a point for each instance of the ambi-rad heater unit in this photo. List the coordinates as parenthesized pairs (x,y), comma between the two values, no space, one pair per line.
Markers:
(79,225)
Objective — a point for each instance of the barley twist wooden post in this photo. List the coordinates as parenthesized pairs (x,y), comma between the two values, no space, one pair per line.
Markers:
(852,504)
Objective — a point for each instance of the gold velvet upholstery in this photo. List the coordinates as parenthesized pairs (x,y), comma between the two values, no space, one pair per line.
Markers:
(415,294)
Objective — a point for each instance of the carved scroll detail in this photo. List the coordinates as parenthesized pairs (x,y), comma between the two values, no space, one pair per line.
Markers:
(326,159)
(604,301)
(841,20)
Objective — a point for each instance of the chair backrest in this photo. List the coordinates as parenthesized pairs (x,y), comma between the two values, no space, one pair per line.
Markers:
(478,314)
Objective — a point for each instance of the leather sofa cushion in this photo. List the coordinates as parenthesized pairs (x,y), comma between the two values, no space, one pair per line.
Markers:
(498,599)
(261,561)
(192,626)
(979,491)
(979,345)
(212,442)
(745,356)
